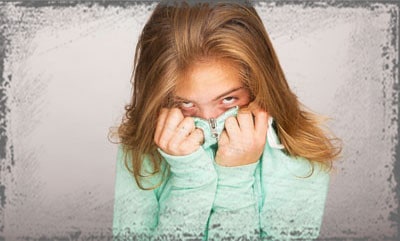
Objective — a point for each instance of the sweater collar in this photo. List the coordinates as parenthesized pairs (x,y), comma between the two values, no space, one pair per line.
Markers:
(212,129)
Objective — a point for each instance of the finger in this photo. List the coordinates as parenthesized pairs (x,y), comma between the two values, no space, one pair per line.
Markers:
(223,139)
(255,109)
(246,122)
(172,121)
(261,122)
(181,132)
(232,127)
(160,124)
(195,138)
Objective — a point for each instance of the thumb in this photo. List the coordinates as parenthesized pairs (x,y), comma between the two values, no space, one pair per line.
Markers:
(223,138)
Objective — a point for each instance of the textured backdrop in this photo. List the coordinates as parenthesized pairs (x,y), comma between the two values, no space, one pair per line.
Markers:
(64,79)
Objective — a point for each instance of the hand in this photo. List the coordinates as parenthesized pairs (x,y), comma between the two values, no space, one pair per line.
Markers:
(243,140)
(177,135)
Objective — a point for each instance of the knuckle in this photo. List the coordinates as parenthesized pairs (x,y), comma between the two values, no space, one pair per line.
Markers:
(163,111)
(170,125)
(263,113)
(230,120)
(189,120)
(179,149)
(162,144)
(176,112)
(175,118)
(163,114)
(171,146)
(162,147)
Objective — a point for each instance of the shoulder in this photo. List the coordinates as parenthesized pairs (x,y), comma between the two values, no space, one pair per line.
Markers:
(276,162)
(293,194)
(149,179)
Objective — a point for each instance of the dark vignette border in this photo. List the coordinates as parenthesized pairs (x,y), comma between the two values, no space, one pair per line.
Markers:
(3,126)
(6,165)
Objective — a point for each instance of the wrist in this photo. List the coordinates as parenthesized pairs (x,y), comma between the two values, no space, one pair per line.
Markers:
(236,175)
(191,170)
(235,187)
(235,161)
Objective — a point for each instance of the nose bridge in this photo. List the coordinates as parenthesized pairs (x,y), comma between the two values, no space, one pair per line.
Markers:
(209,112)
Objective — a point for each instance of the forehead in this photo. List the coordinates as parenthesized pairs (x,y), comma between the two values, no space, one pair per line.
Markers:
(205,80)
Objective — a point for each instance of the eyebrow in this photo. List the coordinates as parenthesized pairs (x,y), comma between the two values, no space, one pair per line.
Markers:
(218,97)
(227,93)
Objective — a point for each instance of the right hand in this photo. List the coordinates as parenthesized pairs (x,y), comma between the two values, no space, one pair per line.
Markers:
(177,135)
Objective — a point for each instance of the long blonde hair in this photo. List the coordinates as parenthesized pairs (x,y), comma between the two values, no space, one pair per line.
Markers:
(176,36)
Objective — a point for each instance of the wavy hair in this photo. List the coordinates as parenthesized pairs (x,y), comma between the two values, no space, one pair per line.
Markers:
(178,34)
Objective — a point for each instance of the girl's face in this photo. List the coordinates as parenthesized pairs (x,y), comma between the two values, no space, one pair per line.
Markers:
(210,88)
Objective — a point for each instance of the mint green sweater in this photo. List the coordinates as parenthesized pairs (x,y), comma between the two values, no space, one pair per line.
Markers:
(272,199)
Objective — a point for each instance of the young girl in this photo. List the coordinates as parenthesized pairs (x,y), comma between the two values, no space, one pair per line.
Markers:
(214,145)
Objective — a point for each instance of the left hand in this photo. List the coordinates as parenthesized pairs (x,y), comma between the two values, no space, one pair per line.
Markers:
(243,140)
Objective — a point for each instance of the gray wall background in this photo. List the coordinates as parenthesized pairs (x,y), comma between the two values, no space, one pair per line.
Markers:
(64,80)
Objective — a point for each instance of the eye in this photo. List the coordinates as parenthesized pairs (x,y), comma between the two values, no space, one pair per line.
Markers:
(229,100)
(187,104)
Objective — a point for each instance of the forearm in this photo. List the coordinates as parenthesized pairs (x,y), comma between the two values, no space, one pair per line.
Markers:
(294,197)
(135,209)
(186,201)
(235,211)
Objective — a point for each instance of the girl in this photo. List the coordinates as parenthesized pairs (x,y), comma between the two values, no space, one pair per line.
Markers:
(214,144)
